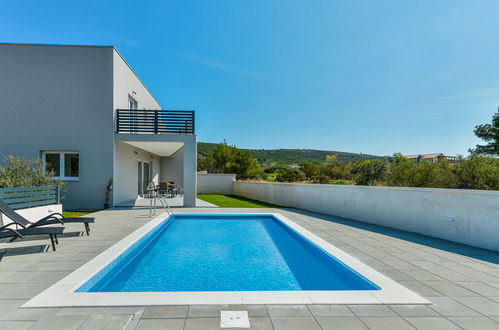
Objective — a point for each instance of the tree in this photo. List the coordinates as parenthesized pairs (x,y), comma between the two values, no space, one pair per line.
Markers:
(370,172)
(21,172)
(490,134)
(229,159)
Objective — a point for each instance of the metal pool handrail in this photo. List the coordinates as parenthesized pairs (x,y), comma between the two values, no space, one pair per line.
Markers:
(164,203)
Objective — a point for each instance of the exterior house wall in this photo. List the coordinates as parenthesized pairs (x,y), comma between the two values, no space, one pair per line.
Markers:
(125,183)
(464,216)
(125,180)
(60,98)
(172,168)
(218,184)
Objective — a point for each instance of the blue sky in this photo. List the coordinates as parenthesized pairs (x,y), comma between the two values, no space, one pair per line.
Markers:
(363,76)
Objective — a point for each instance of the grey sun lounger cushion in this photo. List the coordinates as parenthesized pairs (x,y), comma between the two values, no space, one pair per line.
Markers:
(52,232)
(54,218)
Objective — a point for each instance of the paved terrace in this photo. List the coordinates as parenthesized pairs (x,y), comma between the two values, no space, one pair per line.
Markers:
(461,282)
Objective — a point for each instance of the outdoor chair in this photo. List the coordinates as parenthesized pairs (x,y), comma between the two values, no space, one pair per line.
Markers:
(13,234)
(54,218)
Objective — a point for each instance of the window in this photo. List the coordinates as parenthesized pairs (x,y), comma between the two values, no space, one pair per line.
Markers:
(132,103)
(65,165)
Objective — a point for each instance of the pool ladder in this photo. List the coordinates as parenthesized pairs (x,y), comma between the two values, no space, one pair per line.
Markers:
(164,203)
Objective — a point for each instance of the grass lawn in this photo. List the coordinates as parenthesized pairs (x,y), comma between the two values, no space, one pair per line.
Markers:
(74,214)
(235,201)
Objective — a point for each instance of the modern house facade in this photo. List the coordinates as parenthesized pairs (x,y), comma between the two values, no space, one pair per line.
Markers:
(85,111)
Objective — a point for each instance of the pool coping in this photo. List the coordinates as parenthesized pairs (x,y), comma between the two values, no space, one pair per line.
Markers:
(61,294)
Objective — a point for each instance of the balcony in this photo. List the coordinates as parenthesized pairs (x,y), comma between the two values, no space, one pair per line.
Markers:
(154,121)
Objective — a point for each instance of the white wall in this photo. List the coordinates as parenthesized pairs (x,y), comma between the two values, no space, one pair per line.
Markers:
(172,168)
(34,213)
(419,210)
(125,183)
(218,184)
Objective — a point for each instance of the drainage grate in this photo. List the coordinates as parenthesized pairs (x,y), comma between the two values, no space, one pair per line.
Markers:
(234,319)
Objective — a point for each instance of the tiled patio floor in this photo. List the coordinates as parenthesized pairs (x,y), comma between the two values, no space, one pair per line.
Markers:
(461,282)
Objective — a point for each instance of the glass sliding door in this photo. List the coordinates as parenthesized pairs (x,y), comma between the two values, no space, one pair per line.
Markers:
(139,176)
(144,175)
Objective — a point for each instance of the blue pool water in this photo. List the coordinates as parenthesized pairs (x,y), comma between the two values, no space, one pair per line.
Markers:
(225,253)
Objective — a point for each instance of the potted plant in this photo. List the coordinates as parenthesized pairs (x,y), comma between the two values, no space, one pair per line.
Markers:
(109,188)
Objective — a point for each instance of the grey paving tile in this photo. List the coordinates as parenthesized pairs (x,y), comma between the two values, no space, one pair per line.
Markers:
(450,288)
(330,310)
(163,324)
(261,323)
(383,323)
(165,312)
(8,306)
(65,322)
(413,310)
(449,307)
(206,310)
(288,310)
(106,322)
(202,323)
(341,322)
(421,288)
(481,288)
(295,323)
(253,310)
(482,305)
(475,323)
(30,314)
(431,323)
(24,291)
(16,325)
(372,310)
(421,275)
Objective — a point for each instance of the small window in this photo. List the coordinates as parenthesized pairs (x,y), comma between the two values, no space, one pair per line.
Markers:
(64,165)
(53,163)
(132,103)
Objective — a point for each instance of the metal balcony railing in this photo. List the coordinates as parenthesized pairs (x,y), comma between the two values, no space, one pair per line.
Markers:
(154,121)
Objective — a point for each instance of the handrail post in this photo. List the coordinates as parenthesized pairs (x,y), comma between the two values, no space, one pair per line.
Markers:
(57,194)
(156,121)
(117,121)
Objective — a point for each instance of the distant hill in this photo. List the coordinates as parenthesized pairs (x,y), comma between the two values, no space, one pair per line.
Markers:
(291,156)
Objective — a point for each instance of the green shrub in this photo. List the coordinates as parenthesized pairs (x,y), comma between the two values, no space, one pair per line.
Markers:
(21,172)
(341,182)
(289,175)
(478,172)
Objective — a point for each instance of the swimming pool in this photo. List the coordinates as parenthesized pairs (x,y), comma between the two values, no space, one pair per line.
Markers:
(223,259)
(238,252)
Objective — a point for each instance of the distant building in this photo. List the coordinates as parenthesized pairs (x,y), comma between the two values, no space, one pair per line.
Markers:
(430,158)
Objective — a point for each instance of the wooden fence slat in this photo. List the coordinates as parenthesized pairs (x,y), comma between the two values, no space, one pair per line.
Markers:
(25,194)
(32,204)
(28,199)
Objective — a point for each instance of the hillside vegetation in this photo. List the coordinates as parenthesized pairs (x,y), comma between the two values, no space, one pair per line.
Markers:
(291,156)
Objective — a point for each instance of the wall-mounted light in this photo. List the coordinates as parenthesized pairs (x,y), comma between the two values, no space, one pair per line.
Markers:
(133,92)
(135,152)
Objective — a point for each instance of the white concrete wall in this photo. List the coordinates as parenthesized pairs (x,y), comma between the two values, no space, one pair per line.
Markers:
(125,182)
(34,213)
(126,83)
(172,168)
(419,210)
(218,184)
